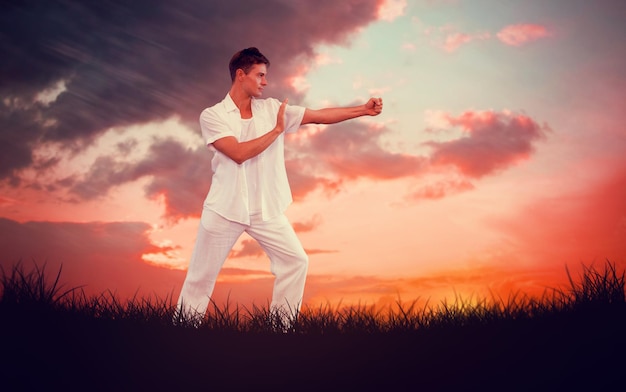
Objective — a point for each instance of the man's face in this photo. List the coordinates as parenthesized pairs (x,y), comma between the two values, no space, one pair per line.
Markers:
(254,81)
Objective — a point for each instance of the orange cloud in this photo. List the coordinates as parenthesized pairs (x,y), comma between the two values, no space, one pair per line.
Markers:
(100,256)
(582,227)
(309,225)
(521,34)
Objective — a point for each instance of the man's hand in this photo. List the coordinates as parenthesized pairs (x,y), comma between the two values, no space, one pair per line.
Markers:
(280,118)
(374,106)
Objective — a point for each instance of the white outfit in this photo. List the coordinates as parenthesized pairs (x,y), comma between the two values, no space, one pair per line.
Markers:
(249,197)
(228,195)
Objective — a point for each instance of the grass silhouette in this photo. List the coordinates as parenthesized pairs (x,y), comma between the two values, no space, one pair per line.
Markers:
(59,337)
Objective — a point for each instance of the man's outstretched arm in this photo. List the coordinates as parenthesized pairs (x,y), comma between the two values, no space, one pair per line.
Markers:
(373,107)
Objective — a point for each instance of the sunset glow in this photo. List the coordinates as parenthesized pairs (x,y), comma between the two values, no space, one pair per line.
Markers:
(498,160)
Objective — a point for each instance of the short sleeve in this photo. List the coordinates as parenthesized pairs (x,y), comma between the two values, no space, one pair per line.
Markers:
(293,118)
(213,127)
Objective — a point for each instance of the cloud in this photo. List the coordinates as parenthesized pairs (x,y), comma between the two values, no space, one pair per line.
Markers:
(521,34)
(492,141)
(440,189)
(249,248)
(107,256)
(344,152)
(302,181)
(323,158)
(389,10)
(101,256)
(328,157)
(104,257)
(142,64)
(450,40)
(180,176)
(183,185)
(453,41)
(309,225)
(89,67)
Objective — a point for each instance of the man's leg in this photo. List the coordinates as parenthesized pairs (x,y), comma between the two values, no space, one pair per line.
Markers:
(289,262)
(216,237)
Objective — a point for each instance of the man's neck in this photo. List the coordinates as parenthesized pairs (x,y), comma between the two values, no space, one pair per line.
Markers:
(243,101)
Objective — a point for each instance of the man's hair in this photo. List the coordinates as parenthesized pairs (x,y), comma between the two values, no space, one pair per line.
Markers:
(244,60)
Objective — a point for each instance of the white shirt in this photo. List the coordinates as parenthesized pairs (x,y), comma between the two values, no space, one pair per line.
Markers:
(251,169)
(229,195)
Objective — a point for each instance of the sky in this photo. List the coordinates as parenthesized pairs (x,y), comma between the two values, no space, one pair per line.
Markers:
(496,166)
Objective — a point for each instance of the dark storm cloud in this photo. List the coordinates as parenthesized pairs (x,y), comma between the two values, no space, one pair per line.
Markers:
(181,176)
(133,62)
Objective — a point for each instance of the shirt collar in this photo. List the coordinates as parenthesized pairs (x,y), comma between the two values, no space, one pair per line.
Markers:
(230,106)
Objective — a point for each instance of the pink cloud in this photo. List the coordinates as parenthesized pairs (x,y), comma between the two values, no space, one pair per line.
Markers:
(320,159)
(454,41)
(331,156)
(493,141)
(520,34)
(389,10)
(441,189)
(348,151)
(514,35)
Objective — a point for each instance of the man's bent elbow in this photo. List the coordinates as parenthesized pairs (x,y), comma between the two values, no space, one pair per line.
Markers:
(238,159)
(240,156)
(232,149)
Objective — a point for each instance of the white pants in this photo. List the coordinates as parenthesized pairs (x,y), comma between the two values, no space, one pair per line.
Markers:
(217,236)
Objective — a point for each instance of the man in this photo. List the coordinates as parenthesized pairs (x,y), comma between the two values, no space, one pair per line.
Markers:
(249,188)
